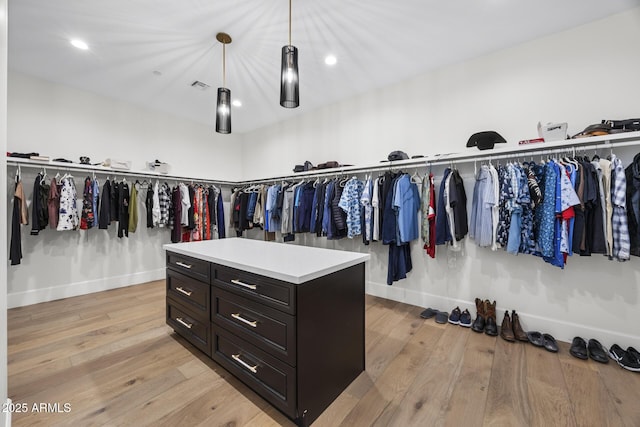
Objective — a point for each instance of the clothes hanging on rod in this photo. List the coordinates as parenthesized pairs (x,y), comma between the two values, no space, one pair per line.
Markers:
(20,216)
(39,205)
(104,216)
(68,217)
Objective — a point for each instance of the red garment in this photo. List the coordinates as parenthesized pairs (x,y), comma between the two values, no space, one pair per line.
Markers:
(430,246)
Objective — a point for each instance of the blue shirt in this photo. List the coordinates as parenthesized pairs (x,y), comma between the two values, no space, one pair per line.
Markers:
(406,204)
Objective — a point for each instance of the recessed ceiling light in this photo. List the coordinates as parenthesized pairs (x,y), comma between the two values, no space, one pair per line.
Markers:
(237,103)
(330,60)
(79,44)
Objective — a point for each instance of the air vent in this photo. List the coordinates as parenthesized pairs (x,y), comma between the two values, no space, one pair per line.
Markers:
(199,85)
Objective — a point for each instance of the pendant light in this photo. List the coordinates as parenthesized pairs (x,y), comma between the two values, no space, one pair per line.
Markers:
(289,84)
(223,104)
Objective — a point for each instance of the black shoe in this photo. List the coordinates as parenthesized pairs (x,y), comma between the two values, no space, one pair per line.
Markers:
(597,352)
(465,319)
(454,317)
(478,324)
(579,348)
(535,338)
(630,360)
(616,353)
(490,327)
(550,343)
(441,317)
(428,313)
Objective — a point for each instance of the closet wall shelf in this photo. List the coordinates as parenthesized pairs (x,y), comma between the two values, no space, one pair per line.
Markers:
(473,155)
(39,164)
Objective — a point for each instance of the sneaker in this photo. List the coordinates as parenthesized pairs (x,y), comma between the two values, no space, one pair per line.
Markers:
(454,317)
(465,319)
(631,360)
(616,353)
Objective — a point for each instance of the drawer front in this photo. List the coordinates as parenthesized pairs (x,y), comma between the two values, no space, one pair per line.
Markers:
(271,292)
(191,292)
(266,375)
(265,327)
(196,331)
(196,268)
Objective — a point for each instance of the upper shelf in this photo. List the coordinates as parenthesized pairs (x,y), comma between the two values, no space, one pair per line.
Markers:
(471,154)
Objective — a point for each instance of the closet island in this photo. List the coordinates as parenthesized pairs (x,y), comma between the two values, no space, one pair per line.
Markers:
(286,320)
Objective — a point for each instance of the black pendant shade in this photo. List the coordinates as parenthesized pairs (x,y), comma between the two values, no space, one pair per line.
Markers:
(289,85)
(223,104)
(223,111)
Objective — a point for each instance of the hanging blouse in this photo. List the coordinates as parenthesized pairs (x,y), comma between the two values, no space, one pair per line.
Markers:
(68,218)
(620,228)
(350,203)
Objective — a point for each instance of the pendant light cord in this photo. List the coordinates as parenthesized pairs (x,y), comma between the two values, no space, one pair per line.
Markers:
(224,68)
(289,22)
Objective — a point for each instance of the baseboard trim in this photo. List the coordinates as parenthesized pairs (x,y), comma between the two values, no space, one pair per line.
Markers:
(35,296)
(560,329)
(7,414)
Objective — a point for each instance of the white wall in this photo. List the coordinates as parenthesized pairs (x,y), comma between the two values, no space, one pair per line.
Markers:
(5,419)
(580,76)
(62,122)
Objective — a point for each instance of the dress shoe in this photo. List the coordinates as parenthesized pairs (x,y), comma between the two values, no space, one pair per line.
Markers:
(478,324)
(579,348)
(506,330)
(597,352)
(518,333)
(491,326)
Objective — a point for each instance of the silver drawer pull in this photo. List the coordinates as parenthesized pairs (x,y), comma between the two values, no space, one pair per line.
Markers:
(182,291)
(183,323)
(253,369)
(182,264)
(253,324)
(246,285)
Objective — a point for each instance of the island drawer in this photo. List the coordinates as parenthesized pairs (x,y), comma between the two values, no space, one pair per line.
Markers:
(196,331)
(262,326)
(193,293)
(269,377)
(192,267)
(271,292)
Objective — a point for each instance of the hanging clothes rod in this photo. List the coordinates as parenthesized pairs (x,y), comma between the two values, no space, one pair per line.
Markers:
(27,163)
(544,149)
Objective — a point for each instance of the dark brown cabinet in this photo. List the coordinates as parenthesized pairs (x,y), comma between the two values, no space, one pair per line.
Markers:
(297,345)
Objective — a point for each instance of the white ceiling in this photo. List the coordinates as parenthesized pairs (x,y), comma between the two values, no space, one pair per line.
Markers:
(376,42)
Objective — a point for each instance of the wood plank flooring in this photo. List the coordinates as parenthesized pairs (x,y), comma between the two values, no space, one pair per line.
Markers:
(114,360)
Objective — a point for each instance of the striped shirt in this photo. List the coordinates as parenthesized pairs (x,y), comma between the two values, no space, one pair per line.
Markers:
(621,240)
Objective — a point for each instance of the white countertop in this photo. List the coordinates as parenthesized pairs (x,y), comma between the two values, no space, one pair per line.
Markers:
(290,263)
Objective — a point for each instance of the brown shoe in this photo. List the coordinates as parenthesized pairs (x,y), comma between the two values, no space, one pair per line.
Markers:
(478,324)
(506,331)
(491,326)
(519,334)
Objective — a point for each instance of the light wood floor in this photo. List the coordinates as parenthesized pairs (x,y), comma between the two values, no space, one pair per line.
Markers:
(113,359)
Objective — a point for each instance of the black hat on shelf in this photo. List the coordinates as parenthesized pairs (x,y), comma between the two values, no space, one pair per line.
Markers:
(397,155)
(485,140)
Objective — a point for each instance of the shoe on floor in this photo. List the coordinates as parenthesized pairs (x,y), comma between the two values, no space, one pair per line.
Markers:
(478,324)
(490,326)
(616,353)
(454,317)
(550,343)
(441,317)
(506,330)
(465,319)
(535,338)
(579,348)
(428,313)
(631,360)
(597,351)
(518,332)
